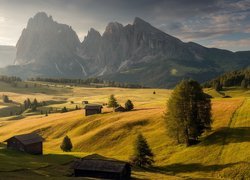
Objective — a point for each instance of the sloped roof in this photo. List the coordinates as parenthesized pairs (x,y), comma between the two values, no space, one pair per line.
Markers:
(103,164)
(27,138)
(92,106)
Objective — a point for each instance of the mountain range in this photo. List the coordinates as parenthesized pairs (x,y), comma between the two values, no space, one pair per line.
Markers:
(135,53)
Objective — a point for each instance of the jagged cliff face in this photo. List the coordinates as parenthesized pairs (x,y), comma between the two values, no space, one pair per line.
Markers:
(49,47)
(137,52)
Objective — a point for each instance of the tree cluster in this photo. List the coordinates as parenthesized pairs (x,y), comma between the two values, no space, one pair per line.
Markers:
(27,104)
(113,103)
(10,79)
(234,78)
(188,112)
(89,81)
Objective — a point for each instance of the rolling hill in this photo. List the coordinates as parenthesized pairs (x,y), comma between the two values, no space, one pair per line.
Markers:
(223,152)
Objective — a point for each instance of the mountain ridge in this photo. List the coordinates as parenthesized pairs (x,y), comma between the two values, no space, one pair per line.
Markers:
(136,53)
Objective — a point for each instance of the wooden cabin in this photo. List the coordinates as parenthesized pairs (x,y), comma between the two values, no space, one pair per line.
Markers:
(85,102)
(29,143)
(91,109)
(119,109)
(102,168)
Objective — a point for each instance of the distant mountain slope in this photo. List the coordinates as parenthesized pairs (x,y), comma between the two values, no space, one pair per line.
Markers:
(7,55)
(136,52)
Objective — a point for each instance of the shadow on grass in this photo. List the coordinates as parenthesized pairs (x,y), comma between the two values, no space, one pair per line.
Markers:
(175,169)
(193,167)
(232,135)
(144,109)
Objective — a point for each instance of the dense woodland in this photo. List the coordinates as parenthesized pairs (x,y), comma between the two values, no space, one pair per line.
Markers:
(10,79)
(233,78)
(89,81)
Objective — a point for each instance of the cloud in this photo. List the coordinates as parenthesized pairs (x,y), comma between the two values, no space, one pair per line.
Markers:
(235,45)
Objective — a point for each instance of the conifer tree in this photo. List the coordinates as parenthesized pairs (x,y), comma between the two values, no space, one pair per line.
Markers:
(66,144)
(129,105)
(28,103)
(143,156)
(64,109)
(188,112)
(112,101)
(5,99)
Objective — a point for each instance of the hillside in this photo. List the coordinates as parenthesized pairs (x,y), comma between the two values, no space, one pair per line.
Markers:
(223,153)
(134,53)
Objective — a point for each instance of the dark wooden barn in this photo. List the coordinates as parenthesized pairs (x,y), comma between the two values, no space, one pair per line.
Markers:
(120,109)
(102,168)
(91,109)
(29,143)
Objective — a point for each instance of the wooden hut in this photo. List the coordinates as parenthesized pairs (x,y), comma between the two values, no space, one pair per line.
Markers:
(102,168)
(29,143)
(91,109)
(119,109)
(85,102)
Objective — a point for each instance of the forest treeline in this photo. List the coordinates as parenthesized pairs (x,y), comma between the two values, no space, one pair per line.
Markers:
(229,79)
(89,81)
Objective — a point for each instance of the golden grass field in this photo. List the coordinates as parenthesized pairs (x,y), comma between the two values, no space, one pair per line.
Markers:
(223,153)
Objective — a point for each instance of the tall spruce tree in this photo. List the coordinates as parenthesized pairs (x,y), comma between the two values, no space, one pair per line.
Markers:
(188,112)
(66,144)
(112,101)
(143,156)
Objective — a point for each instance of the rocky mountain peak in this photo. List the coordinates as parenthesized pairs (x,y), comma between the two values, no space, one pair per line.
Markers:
(140,22)
(40,20)
(113,27)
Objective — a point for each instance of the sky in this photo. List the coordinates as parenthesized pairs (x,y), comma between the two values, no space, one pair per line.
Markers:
(223,24)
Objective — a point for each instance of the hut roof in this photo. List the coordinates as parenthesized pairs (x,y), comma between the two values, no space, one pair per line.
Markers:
(120,108)
(27,138)
(92,106)
(91,163)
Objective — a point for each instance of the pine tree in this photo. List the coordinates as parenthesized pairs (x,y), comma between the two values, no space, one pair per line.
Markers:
(76,107)
(143,155)
(129,105)
(188,112)
(28,103)
(66,144)
(112,101)
(64,109)
(25,104)
(5,99)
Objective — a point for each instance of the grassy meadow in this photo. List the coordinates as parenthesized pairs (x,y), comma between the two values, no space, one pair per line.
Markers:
(222,154)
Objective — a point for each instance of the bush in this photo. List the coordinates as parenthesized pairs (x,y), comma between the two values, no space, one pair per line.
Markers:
(64,109)
(129,105)
(66,144)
